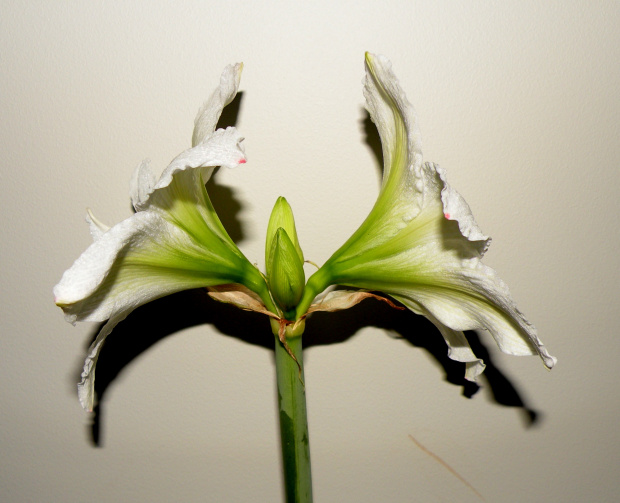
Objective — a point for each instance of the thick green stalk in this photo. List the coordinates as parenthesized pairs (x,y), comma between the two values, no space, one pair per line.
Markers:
(293,420)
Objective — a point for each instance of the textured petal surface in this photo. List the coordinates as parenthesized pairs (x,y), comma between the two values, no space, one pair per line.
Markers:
(177,243)
(142,258)
(179,237)
(141,184)
(210,148)
(434,262)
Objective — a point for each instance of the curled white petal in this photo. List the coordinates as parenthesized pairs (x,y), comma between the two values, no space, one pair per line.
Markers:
(434,263)
(458,347)
(97,228)
(222,148)
(395,118)
(145,257)
(402,189)
(210,148)
(209,113)
(456,208)
(86,386)
(141,184)
(142,258)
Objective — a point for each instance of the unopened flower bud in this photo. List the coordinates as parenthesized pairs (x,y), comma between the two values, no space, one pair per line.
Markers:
(285,273)
(281,216)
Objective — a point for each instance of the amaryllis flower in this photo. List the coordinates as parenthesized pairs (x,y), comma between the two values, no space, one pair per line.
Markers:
(175,240)
(420,243)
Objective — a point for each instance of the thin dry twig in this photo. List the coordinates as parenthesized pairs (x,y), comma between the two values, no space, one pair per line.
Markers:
(446,466)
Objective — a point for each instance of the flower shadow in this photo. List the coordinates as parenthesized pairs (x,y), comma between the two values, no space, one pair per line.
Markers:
(324,328)
(153,322)
(222,196)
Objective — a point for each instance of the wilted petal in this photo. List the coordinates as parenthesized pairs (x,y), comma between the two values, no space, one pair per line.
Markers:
(338,300)
(240,296)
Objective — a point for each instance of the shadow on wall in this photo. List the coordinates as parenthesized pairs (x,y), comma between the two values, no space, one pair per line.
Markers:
(151,323)
(223,199)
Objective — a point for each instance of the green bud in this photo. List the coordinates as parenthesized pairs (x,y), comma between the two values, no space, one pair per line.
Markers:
(285,273)
(281,216)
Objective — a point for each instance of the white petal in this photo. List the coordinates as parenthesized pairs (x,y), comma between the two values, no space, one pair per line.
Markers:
(176,242)
(456,208)
(97,228)
(141,184)
(222,148)
(420,242)
(402,189)
(432,264)
(142,258)
(458,347)
(394,117)
(209,113)
(86,386)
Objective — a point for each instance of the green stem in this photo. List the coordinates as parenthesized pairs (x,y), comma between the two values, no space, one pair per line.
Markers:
(293,420)
(318,282)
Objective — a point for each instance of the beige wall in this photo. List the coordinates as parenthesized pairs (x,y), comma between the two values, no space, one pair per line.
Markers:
(518,101)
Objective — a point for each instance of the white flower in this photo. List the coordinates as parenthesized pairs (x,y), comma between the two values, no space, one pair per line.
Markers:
(174,241)
(420,243)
